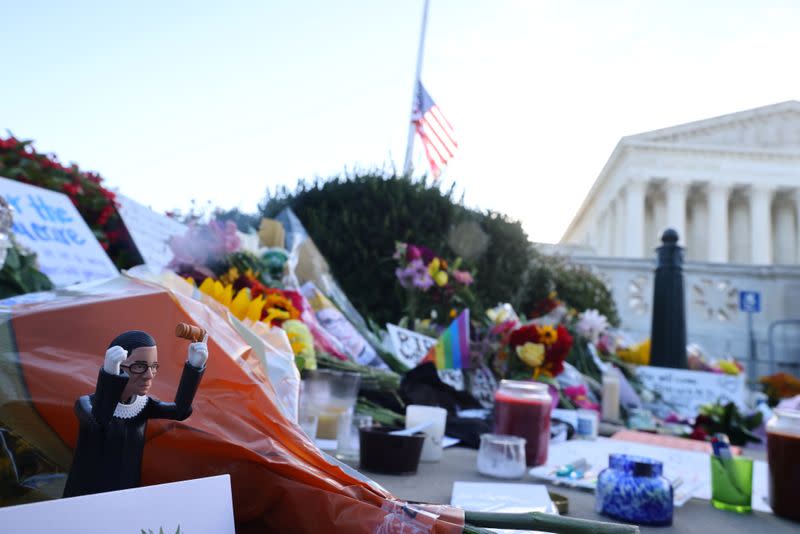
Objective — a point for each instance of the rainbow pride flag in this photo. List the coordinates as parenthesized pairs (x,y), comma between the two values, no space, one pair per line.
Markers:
(452,348)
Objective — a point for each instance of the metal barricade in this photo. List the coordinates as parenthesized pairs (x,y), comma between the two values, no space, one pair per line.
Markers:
(789,345)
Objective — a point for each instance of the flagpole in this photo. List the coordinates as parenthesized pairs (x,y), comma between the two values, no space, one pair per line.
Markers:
(411,130)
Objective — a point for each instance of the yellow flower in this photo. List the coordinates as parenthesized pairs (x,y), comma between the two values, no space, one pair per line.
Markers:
(302,341)
(548,335)
(498,314)
(230,277)
(638,354)
(240,304)
(254,308)
(440,278)
(531,353)
(226,294)
(453,313)
(433,266)
(275,313)
(279,302)
(728,367)
(214,289)
(207,287)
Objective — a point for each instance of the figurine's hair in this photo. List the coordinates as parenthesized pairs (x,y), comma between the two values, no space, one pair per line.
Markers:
(133,339)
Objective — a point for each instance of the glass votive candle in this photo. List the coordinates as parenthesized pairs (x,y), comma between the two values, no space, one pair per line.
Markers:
(501,456)
(633,489)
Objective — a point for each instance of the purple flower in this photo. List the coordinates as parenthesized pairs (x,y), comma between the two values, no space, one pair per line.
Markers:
(423,281)
(414,275)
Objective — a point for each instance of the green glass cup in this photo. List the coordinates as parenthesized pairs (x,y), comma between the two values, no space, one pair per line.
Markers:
(732,484)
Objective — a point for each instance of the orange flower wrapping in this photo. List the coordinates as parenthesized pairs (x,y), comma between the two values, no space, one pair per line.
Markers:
(190,332)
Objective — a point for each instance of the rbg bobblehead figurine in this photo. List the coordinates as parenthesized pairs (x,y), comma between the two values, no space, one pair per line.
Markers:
(108,456)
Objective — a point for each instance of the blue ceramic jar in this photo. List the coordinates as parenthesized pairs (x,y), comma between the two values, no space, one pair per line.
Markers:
(633,489)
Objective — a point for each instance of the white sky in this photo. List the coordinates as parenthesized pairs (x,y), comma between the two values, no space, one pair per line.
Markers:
(173,101)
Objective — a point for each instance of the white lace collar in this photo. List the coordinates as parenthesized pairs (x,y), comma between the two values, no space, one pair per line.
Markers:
(129,411)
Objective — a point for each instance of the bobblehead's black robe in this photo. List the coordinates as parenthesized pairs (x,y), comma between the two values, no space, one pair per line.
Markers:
(108,456)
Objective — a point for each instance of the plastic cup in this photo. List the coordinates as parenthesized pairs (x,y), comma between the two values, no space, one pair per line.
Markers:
(732,484)
(501,456)
(330,395)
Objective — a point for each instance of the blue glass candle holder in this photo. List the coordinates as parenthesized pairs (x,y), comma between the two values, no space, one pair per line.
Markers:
(633,489)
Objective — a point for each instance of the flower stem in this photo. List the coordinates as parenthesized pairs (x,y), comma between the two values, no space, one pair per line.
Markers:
(545,523)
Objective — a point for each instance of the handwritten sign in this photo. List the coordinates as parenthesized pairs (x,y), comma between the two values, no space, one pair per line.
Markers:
(685,391)
(200,506)
(410,347)
(150,232)
(48,223)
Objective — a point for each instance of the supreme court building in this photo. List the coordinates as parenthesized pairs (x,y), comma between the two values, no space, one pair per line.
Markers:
(729,185)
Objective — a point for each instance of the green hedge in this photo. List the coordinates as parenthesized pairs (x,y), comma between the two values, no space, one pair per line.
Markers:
(355,221)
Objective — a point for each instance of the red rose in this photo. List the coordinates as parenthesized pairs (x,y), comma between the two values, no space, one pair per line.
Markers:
(524,334)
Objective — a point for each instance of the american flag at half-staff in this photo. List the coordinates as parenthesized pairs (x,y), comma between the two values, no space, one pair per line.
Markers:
(434,130)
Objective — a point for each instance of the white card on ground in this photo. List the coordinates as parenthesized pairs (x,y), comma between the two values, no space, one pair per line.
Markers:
(502,497)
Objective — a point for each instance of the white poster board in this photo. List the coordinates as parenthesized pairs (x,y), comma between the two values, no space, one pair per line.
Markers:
(410,347)
(48,223)
(150,232)
(200,506)
(685,390)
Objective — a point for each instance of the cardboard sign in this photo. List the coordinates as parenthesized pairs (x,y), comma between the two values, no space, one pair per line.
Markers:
(150,232)
(200,506)
(48,223)
(685,391)
(410,347)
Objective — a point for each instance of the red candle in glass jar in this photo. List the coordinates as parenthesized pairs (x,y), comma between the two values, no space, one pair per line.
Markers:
(523,409)
(783,451)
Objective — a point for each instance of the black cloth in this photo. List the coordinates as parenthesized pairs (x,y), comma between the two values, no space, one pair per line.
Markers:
(108,456)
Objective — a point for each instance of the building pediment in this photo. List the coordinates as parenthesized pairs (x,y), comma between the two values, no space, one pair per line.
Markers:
(776,126)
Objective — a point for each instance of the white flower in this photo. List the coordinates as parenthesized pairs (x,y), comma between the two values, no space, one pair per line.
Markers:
(591,324)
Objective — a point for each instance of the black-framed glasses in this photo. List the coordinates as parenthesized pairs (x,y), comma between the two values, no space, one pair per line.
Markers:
(140,368)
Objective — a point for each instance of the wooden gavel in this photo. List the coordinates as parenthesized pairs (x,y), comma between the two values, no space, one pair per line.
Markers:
(190,332)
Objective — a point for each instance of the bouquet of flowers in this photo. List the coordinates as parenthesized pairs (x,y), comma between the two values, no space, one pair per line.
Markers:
(538,351)
(435,288)
(201,252)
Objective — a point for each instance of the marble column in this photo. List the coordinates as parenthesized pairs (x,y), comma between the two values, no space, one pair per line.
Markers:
(602,241)
(619,230)
(613,212)
(784,250)
(760,225)
(634,218)
(676,208)
(718,222)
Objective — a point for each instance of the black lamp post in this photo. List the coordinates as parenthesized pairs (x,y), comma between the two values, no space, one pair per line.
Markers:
(668,330)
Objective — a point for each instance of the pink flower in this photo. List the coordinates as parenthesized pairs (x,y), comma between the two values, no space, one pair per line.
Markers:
(463,277)
(413,253)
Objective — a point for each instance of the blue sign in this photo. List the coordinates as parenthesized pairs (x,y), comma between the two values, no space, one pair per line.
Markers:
(750,301)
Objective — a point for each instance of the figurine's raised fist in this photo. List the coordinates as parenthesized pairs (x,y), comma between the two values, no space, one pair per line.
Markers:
(198,353)
(114,357)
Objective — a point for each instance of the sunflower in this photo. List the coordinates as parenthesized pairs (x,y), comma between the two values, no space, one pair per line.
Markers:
(548,335)
(278,307)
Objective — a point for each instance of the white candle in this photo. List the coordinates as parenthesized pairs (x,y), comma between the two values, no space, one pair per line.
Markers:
(417,414)
(610,397)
